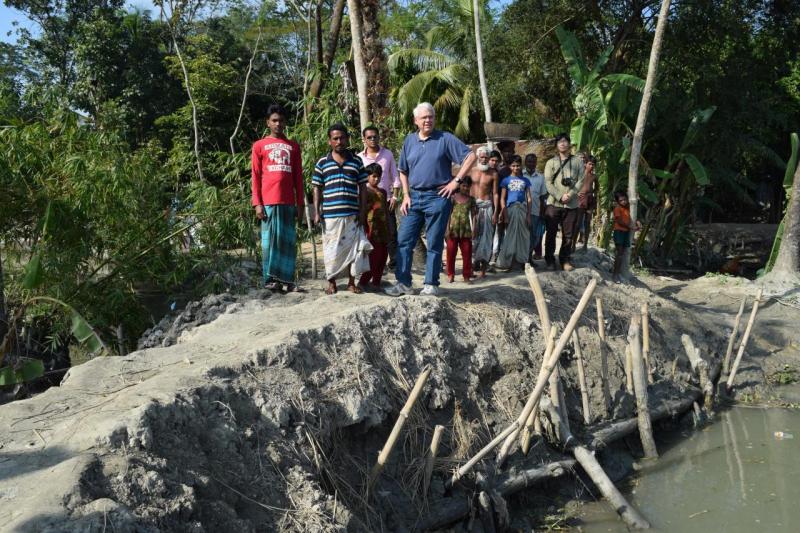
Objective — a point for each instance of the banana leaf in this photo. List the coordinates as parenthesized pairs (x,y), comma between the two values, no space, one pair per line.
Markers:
(27,370)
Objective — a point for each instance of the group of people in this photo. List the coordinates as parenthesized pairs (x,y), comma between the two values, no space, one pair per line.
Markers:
(373,209)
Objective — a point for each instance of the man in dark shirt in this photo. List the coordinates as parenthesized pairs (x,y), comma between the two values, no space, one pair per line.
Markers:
(425,176)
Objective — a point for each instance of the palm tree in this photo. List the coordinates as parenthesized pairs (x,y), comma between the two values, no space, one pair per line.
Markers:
(641,120)
(440,72)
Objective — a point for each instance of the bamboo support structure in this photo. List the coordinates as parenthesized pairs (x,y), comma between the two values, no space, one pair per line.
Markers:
(628,369)
(726,365)
(536,394)
(431,459)
(398,425)
(448,510)
(640,388)
(587,460)
(533,424)
(601,332)
(745,338)
(646,342)
(587,417)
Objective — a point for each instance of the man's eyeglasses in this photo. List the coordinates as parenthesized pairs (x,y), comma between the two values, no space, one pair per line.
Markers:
(372,138)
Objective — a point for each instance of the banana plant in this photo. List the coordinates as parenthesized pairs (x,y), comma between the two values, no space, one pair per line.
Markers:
(668,198)
(25,368)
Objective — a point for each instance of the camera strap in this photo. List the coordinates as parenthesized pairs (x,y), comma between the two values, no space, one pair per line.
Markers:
(567,160)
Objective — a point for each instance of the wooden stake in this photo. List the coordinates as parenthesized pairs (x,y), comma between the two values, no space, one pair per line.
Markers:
(700,366)
(601,332)
(587,460)
(431,459)
(533,425)
(398,426)
(581,378)
(536,394)
(646,341)
(640,388)
(745,338)
(628,369)
(726,365)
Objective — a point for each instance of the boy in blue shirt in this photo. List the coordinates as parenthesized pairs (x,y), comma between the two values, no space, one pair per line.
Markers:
(515,199)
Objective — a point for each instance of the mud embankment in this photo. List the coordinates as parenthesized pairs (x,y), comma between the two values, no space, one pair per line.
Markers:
(271,416)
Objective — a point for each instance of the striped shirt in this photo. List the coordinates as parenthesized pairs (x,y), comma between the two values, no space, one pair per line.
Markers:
(339,185)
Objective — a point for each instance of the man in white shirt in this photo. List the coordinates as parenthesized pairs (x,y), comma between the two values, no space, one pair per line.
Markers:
(538,197)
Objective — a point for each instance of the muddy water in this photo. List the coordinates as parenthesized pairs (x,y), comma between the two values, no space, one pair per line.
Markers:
(736,475)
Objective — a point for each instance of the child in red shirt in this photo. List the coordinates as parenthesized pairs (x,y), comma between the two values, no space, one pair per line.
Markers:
(377,228)
(622,230)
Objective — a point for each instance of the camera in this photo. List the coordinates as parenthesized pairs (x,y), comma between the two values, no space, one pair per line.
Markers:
(567,182)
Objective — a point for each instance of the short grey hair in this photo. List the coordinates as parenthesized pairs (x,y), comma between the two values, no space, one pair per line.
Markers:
(424,106)
(482,150)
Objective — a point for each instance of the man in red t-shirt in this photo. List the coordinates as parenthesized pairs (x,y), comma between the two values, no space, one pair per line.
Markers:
(277,180)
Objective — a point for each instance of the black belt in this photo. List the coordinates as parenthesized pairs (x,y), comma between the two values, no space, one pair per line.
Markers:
(428,189)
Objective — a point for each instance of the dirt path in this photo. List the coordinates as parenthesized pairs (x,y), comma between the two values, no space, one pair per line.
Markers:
(270,416)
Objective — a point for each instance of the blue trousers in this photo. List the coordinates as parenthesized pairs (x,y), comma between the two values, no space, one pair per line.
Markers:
(434,211)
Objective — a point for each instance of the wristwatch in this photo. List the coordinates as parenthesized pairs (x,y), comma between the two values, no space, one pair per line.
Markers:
(459,180)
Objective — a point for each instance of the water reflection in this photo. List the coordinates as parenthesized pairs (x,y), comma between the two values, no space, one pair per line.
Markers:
(733,476)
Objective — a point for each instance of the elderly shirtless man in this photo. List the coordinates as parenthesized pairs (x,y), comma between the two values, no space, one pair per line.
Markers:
(485,192)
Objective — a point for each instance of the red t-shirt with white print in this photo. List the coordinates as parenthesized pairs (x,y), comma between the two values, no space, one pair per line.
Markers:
(277,172)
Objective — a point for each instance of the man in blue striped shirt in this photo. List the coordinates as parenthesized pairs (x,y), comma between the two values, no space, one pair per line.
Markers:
(339,182)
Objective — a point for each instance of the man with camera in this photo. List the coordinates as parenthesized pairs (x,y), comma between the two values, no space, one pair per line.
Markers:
(563,177)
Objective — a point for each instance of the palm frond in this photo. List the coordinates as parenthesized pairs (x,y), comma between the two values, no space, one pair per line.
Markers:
(462,127)
(421,59)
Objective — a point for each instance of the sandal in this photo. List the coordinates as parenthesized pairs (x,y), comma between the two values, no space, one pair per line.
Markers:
(292,287)
(355,289)
(273,285)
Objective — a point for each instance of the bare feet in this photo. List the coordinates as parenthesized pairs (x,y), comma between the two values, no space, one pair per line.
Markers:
(331,290)
(355,289)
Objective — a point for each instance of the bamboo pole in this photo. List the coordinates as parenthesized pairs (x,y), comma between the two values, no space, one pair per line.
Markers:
(646,341)
(700,367)
(532,425)
(640,388)
(601,332)
(587,460)
(628,369)
(745,338)
(581,378)
(398,425)
(536,394)
(431,459)
(726,366)
(556,391)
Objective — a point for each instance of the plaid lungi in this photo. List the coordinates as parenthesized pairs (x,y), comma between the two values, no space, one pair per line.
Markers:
(278,241)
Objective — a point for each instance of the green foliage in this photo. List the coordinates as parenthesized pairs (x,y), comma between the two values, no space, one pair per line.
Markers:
(788,181)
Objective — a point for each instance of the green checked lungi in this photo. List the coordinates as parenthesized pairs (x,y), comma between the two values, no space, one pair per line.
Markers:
(278,240)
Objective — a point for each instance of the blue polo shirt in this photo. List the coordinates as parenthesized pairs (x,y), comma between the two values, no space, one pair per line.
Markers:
(428,163)
(339,184)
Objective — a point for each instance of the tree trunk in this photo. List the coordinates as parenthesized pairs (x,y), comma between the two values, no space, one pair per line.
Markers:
(641,120)
(476,14)
(788,260)
(246,88)
(357,40)
(374,59)
(327,57)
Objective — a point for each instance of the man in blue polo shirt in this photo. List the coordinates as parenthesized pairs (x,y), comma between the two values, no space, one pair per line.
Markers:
(339,182)
(426,178)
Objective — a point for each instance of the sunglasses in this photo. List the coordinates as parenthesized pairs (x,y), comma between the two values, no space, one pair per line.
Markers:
(371,138)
